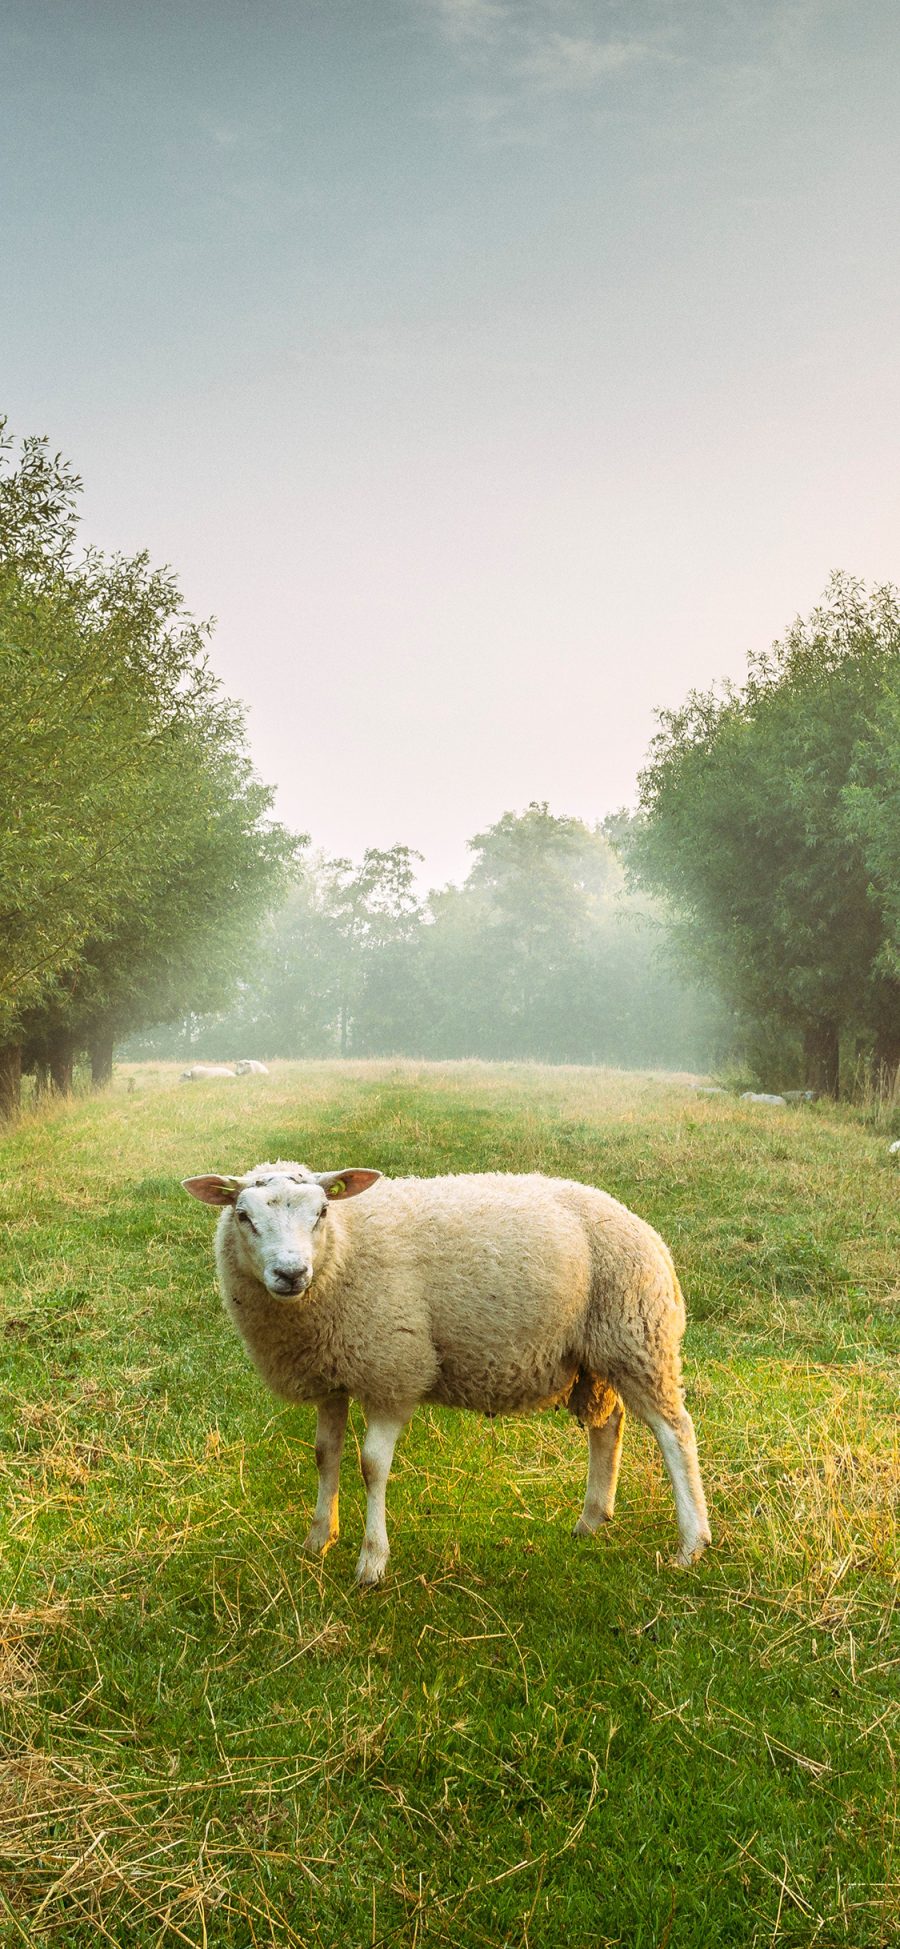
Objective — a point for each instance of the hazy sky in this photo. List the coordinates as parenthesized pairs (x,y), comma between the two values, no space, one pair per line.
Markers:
(494,370)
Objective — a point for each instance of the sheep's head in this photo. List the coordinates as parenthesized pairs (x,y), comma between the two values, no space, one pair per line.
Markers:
(279,1218)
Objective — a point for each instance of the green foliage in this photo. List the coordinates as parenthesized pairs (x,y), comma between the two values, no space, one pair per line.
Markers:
(872,810)
(525,1738)
(376,916)
(777,866)
(138,852)
(38,509)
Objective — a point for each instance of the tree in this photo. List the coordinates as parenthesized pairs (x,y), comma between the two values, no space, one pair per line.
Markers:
(543,954)
(138,848)
(298,997)
(747,829)
(184,929)
(872,812)
(379,916)
(545,878)
(335,969)
(57,823)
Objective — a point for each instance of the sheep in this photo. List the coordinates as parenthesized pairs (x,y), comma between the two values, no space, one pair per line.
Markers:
(492,1292)
(206,1072)
(249,1068)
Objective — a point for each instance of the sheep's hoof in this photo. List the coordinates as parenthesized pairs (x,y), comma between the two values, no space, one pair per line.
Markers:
(320,1539)
(585,1528)
(370,1569)
(690,1552)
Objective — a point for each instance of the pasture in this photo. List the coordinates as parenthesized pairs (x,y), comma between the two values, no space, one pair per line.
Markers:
(524,1738)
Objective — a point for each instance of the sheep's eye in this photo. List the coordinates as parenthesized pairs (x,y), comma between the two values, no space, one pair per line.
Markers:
(244,1218)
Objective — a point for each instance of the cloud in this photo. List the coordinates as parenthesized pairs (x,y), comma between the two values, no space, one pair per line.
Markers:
(518,68)
(469,20)
(571,63)
(518,59)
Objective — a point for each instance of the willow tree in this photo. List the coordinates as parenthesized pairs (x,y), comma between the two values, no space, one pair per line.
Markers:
(210,865)
(872,811)
(749,831)
(136,850)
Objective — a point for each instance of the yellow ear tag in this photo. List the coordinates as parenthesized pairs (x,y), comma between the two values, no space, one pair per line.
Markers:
(337,1190)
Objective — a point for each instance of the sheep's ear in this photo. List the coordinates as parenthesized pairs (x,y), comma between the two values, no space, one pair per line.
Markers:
(346,1184)
(214,1190)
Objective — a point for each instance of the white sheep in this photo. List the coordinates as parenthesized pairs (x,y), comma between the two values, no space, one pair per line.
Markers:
(247,1067)
(489,1292)
(206,1072)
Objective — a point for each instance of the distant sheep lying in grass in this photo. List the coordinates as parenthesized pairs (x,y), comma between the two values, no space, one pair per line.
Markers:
(488,1292)
(249,1068)
(206,1072)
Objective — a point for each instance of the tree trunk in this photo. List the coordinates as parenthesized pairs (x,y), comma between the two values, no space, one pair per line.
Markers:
(886,1053)
(10,1079)
(100,1049)
(822,1057)
(62,1064)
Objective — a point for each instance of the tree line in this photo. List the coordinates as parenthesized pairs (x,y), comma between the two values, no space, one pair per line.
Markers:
(750,903)
(749,907)
(541,954)
(137,850)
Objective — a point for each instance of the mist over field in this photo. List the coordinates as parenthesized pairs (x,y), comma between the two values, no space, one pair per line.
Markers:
(542,953)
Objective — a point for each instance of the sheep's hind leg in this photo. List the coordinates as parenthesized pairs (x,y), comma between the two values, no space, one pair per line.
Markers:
(330,1429)
(677,1441)
(382,1434)
(604,1455)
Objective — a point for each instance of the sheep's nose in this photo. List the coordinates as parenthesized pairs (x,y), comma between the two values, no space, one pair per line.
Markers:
(291,1278)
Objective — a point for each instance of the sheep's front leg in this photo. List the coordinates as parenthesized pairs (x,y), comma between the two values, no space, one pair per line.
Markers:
(604,1453)
(330,1428)
(382,1433)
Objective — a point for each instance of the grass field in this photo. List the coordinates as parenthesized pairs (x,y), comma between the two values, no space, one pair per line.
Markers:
(522,1738)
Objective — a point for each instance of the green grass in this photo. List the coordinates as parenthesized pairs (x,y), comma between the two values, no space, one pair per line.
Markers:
(522,1738)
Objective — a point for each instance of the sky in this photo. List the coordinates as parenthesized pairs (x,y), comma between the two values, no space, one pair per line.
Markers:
(494,371)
